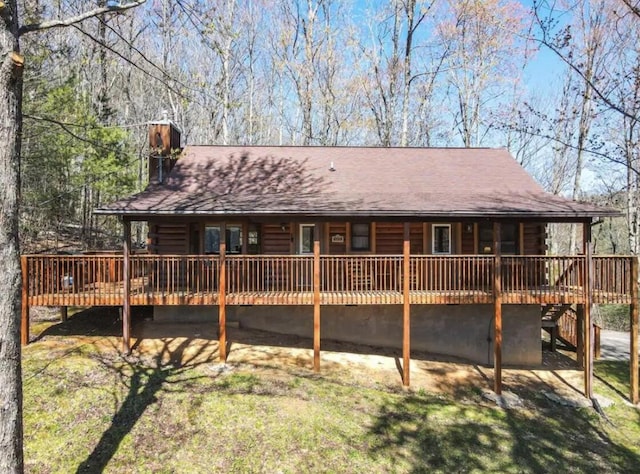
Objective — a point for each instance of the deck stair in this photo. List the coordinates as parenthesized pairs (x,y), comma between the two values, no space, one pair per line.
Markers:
(560,321)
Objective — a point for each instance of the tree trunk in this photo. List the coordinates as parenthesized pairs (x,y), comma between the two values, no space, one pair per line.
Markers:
(11,460)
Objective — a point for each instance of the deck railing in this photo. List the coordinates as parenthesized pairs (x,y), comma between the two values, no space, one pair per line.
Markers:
(546,279)
(456,278)
(351,279)
(160,279)
(612,279)
(58,280)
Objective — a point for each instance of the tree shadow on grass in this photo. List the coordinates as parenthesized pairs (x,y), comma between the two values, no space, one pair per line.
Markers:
(144,379)
(426,433)
(93,321)
(615,374)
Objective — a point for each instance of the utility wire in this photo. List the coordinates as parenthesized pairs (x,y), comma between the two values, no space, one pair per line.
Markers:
(152,64)
(131,63)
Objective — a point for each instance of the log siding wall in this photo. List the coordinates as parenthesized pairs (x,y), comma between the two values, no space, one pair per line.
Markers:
(172,238)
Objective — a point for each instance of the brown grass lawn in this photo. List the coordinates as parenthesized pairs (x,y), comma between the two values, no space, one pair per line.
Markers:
(172,407)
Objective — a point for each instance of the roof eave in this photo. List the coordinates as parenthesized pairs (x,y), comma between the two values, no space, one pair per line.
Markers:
(461,214)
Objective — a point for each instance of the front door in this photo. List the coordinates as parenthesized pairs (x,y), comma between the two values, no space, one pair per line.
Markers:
(305,247)
(305,241)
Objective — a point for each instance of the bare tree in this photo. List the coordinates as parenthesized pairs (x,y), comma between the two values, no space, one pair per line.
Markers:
(486,50)
(11,453)
(604,60)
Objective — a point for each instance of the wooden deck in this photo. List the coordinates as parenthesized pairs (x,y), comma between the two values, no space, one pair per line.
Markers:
(98,280)
(321,280)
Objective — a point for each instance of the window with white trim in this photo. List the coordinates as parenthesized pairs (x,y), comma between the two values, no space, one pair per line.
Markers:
(306,238)
(441,238)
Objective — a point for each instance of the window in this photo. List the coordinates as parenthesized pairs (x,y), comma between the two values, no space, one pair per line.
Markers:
(509,239)
(211,239)
(306,238)
(233,239)
(360,234)
(441,238)
(253,239)
(508,242)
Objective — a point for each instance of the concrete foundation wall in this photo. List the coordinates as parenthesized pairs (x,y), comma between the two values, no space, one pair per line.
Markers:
(457,330)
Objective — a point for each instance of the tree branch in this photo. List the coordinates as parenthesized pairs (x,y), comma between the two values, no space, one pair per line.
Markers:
(634,7)
(45,25)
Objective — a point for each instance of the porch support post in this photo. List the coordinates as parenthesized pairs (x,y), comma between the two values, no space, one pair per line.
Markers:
(580,336)
(316,302)
(588,327)
(64,314)
(406,313)
(222,297)
(24,322)
(633,343)
(497,309)
(126,283)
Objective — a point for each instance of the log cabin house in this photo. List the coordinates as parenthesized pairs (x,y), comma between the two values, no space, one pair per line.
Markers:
(437,249)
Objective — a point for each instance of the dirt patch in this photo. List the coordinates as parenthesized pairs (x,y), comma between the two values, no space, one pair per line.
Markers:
(185,344)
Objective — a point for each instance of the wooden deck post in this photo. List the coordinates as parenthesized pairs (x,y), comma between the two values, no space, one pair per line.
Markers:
(222,298)
(588,326)
(126,282)
(24,322)
(64,314)
(580,335)
(406,312)
(497,309)
(316,302)
(633,343)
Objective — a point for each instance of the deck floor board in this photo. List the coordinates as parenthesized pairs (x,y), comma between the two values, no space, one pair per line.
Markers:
(113,295)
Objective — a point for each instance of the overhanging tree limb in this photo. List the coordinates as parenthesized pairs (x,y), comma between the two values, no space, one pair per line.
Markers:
(62,23)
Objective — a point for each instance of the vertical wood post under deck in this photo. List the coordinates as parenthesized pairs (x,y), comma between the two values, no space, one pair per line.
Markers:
(24,322)
(588,326)
(406,313)
(633,343)
(64,314)
(497,309)
(222,297)
(126,283)
(316,302)
(580,336)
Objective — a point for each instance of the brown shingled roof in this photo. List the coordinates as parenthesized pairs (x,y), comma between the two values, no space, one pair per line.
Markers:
(391,182)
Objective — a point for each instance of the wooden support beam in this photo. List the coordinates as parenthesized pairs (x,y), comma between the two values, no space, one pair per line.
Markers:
(126,282)
(24,322)
(316,302)
(580,336)
(425,239)
(406,312)
(222,297)
(521,239)
(497,309)
(64,314)
(475,239)
(372,238)
(633,342)
(588,326)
